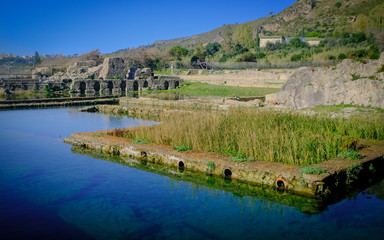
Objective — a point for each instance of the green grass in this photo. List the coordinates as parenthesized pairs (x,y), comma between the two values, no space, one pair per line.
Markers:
(199,89)
(311,170)
(381,69)
(182,148)
(350,154)
(241,157)
(257,134)
(97,135)
(139,141)
(211,165)
(167,71)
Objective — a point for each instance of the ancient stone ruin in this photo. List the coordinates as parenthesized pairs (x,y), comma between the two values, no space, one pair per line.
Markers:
(86,77)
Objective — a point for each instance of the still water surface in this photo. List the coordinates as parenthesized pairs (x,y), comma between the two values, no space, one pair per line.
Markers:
(49,192)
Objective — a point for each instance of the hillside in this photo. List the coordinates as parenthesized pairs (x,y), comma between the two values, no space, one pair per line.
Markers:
(324,16)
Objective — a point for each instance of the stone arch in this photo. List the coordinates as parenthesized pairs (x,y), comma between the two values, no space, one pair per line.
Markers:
(110,86)
(177,84)
(145,84)
(135,86)
(96,86)
(123,86)
(166,85)
(82,87)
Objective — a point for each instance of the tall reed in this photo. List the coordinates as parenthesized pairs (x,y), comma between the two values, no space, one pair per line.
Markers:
(290,138)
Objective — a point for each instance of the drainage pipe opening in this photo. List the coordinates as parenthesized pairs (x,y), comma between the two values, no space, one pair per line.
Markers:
(281,183)
(181,165)
(227,173)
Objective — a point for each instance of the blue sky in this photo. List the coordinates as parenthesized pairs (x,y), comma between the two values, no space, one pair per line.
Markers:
(70,26)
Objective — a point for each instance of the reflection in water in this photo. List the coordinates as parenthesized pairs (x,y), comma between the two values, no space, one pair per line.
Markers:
(48,192)
(377,190)
(210,185)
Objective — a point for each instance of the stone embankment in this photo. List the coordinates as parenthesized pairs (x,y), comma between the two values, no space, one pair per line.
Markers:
(56,102)
(335,180)
(130,111)
(241,78)
(349,82)
(238,188)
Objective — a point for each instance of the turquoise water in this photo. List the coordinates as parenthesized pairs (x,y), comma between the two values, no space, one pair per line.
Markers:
(48,191)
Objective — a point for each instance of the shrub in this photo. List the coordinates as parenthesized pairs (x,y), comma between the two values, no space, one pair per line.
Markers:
(373,52)
(248,57)
(360,53)
(331,57)
(318,50)
(223,58)
(342,56)
(350,154)
(311,170)
(338,4)
(381,69)
(296,57)
(241,157)
(314,34)
(212,48)
(358,37)
(211,165)
(260,55)
(182,148)
(297,43)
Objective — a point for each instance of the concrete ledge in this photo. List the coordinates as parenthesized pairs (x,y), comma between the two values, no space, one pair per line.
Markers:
(57,103)
(333,182)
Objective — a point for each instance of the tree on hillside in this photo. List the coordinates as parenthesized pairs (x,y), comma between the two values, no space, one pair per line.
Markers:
(376,17)
(178,52)
(37,58)
(212,48)
(227,43)
(244,36)
(92,55)
(199,52)
(376,24)
(297,43)
(361,24)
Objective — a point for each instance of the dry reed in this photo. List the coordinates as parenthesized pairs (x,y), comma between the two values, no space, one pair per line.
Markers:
(262,135)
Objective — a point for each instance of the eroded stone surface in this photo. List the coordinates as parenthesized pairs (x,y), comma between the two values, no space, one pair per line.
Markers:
(350,82)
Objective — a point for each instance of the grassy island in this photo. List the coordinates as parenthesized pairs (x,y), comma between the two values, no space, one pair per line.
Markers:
(250,134)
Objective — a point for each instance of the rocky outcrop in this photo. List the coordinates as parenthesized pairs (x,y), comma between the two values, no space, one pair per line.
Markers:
(113,68)
(40,72)
(350,82)
(143,73)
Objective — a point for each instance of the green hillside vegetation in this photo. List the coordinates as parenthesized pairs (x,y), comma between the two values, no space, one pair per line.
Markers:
(347,29)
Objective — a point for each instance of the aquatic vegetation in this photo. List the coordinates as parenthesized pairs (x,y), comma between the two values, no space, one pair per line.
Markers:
(311,170)
(353,171)
(258,134)
(211,165)
(350,154)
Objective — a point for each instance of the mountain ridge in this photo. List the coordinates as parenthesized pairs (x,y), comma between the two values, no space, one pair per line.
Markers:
(298,19)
